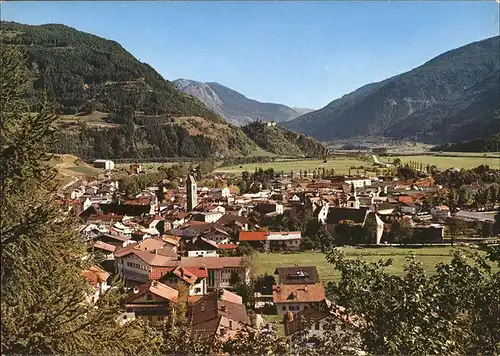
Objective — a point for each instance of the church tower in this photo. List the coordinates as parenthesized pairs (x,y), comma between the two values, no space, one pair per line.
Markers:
(192,197)
(353,201)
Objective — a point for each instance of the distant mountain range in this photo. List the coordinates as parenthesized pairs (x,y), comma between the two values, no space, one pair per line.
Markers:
(453,97)
(235,107)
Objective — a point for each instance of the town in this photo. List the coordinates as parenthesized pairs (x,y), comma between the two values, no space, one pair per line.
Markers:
(178,240)
(250,178)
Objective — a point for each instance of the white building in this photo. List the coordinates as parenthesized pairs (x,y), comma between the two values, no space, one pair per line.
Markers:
(359,182)
(104,164)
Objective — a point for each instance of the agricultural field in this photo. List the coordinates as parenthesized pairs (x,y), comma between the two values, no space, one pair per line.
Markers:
(71,166)
(428,256)
(341,165)
(464,161)
(96,118)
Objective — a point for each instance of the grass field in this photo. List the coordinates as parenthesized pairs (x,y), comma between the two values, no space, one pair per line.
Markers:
(429,256)
(449,162)
(341,165)
(72,166)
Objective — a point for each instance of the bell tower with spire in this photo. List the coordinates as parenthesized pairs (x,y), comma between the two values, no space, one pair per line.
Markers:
(192,197)
(353,201)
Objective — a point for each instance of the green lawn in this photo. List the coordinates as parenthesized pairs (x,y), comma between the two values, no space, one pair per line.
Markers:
(88,171)
(449,162)
(429,256)
(341,165)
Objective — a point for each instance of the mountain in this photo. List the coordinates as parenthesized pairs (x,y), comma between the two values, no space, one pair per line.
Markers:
(452,97)
(281,141)
(235,107)
(114,106)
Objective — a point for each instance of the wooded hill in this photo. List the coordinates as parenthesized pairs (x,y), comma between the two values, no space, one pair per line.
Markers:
(113,105)
(282,141)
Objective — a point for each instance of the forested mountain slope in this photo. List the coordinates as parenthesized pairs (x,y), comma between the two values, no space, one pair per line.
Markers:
(282,141)
(451,97)
(139,114)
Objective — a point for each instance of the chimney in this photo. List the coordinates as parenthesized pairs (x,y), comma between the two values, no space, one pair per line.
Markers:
(305,288)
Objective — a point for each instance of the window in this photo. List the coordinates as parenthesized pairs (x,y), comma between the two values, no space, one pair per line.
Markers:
(150,319)
(230,324)
(284,307)
(149,297)
(197,290)
(316,326)
(294,307)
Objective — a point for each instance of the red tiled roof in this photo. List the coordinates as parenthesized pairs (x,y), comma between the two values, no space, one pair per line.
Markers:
(227,246)
(298,293)
(157,288)
(95,275)
(104,246)
(157,273)
(105,217)
(143,201)
(253,235)
(405,199)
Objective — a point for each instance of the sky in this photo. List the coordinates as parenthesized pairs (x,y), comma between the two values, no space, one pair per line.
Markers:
(302,54)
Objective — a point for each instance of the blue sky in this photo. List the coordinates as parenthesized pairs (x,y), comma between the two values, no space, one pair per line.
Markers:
(302,54)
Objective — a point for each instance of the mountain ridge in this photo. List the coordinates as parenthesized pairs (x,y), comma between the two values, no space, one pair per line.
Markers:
(419,103)
(234,106)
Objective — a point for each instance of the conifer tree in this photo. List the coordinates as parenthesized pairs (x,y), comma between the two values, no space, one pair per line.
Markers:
(44,308)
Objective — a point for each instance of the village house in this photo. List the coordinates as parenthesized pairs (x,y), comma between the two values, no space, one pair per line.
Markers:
(236,210)
(284,240)
(106,249)
(440,212)
(316,320)
(383,208)
(194,278)
(217,235)
(151,301)
(357,182)
(297,275)
(219,315)
(220,193)
(297,297)
(134,262)
(269,208)
(98,279)
(357,216)
(408,208)
(271,240)
(220,270)
(207,217)
(199,247)
(235,223)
